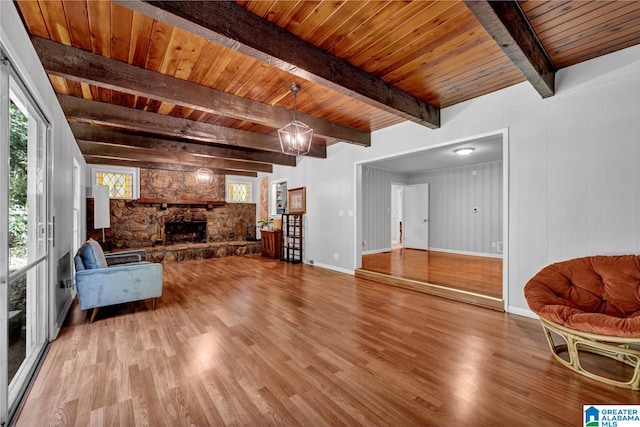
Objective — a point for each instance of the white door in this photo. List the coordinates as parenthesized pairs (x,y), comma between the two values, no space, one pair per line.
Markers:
(416,215)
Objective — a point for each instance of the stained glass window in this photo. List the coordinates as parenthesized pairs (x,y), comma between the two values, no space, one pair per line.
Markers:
(239,192)
(122,182)
(119,184)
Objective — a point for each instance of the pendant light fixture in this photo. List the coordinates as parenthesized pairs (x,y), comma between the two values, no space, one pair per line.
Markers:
(295,137)
(204,176)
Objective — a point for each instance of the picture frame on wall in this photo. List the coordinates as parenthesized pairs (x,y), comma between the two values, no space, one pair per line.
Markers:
(297,200)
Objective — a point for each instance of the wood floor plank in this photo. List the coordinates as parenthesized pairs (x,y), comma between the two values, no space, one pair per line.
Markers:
(466,272)
(230,409)
(248,341)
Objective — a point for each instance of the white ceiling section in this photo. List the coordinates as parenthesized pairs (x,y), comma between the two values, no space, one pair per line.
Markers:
(487,149)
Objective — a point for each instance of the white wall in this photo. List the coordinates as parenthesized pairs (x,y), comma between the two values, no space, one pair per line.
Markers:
(63,148)
(453,195)
(326,233)
(574,168)
(376,207)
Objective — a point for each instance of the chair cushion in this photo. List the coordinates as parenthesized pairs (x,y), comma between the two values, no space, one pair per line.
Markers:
(92,255)
(598,295)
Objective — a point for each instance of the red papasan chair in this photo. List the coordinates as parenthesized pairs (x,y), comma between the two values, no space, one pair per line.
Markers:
(593,303)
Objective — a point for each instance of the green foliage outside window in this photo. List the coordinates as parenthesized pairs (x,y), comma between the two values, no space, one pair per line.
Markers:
(18,131)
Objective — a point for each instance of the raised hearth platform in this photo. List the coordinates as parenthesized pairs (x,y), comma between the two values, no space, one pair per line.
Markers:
(190,251)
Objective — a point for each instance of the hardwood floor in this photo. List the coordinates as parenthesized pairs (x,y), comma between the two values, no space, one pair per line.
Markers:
(471,273)
(249,341)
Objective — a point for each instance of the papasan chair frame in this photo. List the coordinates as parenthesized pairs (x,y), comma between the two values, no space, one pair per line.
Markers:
(593,304)
(619,349)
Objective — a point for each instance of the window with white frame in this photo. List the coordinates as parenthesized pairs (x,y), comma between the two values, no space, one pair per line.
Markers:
(123,182)
(238,191)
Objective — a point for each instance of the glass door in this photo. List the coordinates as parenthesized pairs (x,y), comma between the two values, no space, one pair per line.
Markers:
(24,246)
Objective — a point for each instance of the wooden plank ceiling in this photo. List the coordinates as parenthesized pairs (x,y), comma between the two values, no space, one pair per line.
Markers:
(185,84)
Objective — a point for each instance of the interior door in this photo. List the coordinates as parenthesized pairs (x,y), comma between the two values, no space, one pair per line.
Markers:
(416,215)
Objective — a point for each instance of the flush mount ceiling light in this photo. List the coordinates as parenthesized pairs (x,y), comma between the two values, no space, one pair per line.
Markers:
(464,151)
(295,137)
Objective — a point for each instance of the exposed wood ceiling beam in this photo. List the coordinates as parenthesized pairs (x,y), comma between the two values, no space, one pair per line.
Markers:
(100,113)
(231,25)
(84,132)
(507,24)
(80,65)
(91,148)
(105,160)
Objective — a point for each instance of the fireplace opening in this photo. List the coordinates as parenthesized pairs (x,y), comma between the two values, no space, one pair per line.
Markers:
(177,232)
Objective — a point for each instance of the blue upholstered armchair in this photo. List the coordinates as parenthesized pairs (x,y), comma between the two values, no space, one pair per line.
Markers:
(115,278)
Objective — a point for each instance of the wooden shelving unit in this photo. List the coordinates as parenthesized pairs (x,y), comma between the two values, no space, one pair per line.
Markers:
(281,197)
(291,238)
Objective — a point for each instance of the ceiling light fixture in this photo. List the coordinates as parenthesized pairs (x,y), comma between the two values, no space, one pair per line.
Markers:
(464,151)
(295,137)
(204,176)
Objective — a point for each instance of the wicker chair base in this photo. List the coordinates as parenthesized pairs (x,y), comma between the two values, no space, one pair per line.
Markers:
(623,350)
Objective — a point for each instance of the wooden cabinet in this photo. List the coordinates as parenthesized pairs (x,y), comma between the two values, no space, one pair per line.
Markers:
(271,243)
(291,238)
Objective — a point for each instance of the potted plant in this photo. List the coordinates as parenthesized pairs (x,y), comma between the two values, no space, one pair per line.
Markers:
(265,223)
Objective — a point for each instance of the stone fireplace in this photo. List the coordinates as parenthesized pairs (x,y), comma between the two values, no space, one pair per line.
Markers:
(176,232)
(171,223)
(142,225)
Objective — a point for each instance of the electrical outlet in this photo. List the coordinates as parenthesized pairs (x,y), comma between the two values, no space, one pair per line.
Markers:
(311,261)
(364,243)
(493,244)
(335,255)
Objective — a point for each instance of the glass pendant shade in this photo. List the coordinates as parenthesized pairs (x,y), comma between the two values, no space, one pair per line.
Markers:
(204,176)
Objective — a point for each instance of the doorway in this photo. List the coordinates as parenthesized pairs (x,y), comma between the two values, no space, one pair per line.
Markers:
(397,215)
(24,238)
(472,237)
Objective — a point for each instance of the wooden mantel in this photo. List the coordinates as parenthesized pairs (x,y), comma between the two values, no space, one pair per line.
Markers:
(192,202)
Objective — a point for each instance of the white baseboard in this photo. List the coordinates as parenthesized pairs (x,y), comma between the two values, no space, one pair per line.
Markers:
(453,251)
(376,251)
(522,312)
(334,268)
